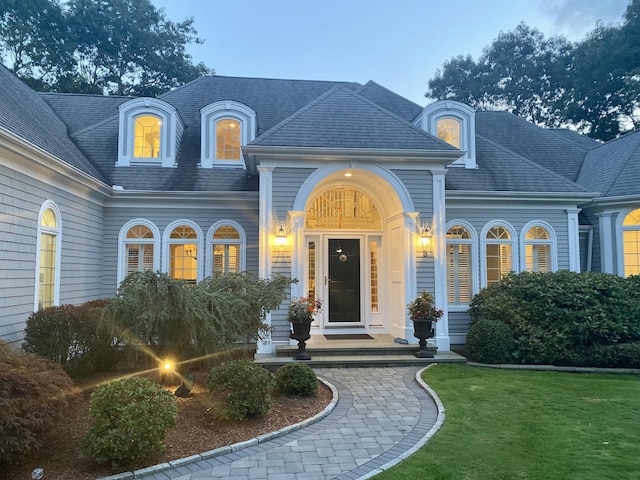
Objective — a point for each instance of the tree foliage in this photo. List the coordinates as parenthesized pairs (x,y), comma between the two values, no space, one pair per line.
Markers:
(123,47)
(593,85)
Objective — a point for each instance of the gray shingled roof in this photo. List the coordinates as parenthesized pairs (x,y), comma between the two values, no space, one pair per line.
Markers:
(343,119)
(81,111)
(25,114)
(540,145)
(577,138)
(613,169)
(389,100)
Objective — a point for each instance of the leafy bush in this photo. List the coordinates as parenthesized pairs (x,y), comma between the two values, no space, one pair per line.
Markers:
(489,341)
(34,393)
(296,380)
(562,317)
(129,419)
(243,388)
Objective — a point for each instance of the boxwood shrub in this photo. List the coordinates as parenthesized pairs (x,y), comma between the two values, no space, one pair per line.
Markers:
(297,380)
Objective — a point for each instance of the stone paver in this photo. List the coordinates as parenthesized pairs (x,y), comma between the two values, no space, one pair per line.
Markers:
(382,416)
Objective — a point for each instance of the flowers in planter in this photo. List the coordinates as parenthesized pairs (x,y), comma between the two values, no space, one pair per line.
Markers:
(423,308)
(303,309)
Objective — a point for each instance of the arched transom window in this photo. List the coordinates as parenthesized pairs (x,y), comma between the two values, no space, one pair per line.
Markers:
(183,253)
(147,136)
(226,245)
(498,254)
(343,208)
(228,134)
(449,131)
(48,258)
(459,266)
(631,243)
(537,250)
(139,249)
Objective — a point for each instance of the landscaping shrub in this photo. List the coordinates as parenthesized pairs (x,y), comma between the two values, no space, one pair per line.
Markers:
(34,393)
(129,419)
(297,380)
(104,348)
(562,317)
(243,387)
(489,341)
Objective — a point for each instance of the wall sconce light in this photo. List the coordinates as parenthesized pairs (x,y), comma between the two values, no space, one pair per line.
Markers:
(281,236)
(426,239)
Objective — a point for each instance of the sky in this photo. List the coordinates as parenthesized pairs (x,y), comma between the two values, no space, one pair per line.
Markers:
(397,43)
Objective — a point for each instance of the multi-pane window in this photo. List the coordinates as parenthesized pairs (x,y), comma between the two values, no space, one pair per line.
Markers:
(183,254)
(139,249)
(449,131)
(226,250)
(228,134)
(311,265)
(48,252)
(343,208)
(146,136)
(373,262)
(498,254)
(459,266)
(631,243)
(537,250)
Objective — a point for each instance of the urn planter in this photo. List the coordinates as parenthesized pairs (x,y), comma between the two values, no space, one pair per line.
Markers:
(422,330)
(300,332)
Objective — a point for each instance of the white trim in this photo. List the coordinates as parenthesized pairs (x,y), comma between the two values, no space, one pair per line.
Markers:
(122,241)
(619,237)
(167,240)
(553,242)
(170,131)
(57,232)
(264,249)
(208,261)
(483,251)
(606,243)
(573,238)
(440,261)
(475,261)
(209,116)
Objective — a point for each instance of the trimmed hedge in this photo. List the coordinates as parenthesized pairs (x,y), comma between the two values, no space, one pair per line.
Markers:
(297,380)
(565,318)
(489,341)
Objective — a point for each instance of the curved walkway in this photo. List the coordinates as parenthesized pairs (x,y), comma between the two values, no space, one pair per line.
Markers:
(382,415)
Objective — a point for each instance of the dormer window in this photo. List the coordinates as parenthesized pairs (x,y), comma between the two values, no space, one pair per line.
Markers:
(150,133)
(225,127)
(454,123)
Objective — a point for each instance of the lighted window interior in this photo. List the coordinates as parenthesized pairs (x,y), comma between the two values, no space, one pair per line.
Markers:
(183,254)
(537,250)
(631,243)
(228,139)
(343,208)
(147,136)
(498,254)
(226,250)
(459,273)
(449,131)
(373,260)
(47,270)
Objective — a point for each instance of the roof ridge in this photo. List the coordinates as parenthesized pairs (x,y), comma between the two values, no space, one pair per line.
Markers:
(373,82)
(635,148)
(534,164)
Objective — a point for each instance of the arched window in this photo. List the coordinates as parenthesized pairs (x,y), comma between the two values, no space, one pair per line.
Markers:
(498,248)
(449,131)
(537,250)
(226,247)
(343,208)
(228,134)
(631,243)
(183,253)
(139,248)
(48,256)
(146,136)
(459,266)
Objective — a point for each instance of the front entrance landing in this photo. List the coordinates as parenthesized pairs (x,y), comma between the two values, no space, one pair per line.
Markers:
(356,351)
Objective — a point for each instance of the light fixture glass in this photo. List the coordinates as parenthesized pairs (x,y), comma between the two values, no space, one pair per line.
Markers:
(426,239)
(281,236)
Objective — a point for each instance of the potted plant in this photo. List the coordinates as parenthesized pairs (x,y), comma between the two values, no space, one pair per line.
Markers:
(301,312)
(424,313)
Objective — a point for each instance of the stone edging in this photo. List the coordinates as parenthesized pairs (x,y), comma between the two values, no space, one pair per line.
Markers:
(231,448)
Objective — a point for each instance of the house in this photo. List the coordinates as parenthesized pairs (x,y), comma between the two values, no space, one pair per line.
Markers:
(362,195)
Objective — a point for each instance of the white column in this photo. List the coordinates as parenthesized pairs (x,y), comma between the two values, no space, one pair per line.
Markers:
(264,255)
(297,254)
(443,341)
(574,239)
(606,245)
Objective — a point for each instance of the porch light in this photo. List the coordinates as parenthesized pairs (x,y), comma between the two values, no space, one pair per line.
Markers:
(281,237)
(426,239)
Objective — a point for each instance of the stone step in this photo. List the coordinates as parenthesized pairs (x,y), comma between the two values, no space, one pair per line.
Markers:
(355,349)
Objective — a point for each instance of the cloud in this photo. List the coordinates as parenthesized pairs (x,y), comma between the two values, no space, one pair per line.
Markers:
(575,18)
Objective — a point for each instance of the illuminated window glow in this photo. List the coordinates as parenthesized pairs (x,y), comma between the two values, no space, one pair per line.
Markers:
(146,142)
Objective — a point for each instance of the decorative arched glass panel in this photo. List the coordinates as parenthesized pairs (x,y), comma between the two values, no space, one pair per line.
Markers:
(146,141)
(139,249)
(183,254)
(459,266)
(228,134)
(498,254)
(537,250)
(343,208)
(449,131)
(631,243)
(48,257)
(226,244)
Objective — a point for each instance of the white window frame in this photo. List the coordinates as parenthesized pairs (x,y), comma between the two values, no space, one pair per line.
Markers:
(473,242)
(552,242)
(619,226)
(483,247)
(170,132)
(123,241)
(209,117)
(167,241)
(210,242)
(57,232)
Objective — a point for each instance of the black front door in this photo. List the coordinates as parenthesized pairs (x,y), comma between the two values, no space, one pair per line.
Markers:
(344,280)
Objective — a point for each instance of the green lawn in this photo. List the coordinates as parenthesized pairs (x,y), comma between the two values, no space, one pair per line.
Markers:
(509,424)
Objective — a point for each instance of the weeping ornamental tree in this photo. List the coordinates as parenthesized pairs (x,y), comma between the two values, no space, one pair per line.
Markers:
(172,317)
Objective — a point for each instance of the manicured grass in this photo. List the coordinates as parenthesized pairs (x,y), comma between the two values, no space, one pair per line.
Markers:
(509,424)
